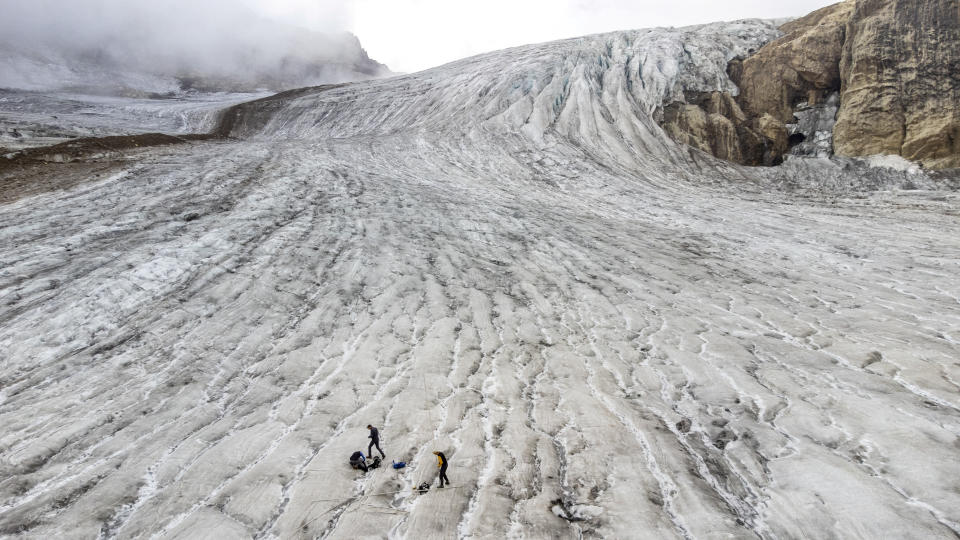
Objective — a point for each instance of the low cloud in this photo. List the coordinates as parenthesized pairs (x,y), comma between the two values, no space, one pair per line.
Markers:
(215,38)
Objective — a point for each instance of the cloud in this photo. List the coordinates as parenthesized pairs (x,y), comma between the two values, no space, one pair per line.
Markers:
(321,15)
(212,37)
(408,35)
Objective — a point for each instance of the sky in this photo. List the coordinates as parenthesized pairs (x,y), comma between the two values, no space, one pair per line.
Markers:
(411,35)
(406,35)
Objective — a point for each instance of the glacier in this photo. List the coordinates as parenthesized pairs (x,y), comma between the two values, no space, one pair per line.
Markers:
(504,258)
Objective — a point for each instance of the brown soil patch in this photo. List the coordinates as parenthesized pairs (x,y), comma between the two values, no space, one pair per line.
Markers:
(38,170)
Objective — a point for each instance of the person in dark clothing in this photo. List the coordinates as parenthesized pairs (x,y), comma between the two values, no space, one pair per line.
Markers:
(374,441)
(357,461)
(442,463)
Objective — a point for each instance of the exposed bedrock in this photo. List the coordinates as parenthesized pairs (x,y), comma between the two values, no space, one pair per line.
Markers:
(715,123)
(801,67)
(901,82)
(885,72)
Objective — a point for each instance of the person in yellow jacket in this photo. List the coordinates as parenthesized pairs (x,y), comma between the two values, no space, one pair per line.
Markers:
(442,463)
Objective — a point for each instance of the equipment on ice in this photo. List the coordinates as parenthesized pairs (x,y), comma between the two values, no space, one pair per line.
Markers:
(399,465)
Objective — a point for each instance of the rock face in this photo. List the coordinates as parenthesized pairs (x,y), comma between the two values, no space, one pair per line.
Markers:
(901,82)
(800,67)
(885,72)
(715,123)
(790,85)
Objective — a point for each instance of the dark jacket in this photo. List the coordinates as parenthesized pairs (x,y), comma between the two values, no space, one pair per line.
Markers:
(357,457)
(375,435)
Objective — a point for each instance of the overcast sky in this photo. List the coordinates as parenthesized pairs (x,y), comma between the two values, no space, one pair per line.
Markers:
(407,35)
(410,35)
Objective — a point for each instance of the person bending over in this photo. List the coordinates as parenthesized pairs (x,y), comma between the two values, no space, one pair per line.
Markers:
(357,461)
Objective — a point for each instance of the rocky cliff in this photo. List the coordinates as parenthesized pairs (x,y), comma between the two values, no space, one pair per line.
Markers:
(901,81)
(885,72)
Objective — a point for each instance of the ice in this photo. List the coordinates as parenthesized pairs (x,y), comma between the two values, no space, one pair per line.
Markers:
(30,119)
(505,259)
(897,163)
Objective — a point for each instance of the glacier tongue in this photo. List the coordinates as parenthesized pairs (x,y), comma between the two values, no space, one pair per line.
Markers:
(601,91)
(504,259)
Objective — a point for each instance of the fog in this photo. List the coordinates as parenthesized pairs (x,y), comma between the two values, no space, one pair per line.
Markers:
(212,38)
